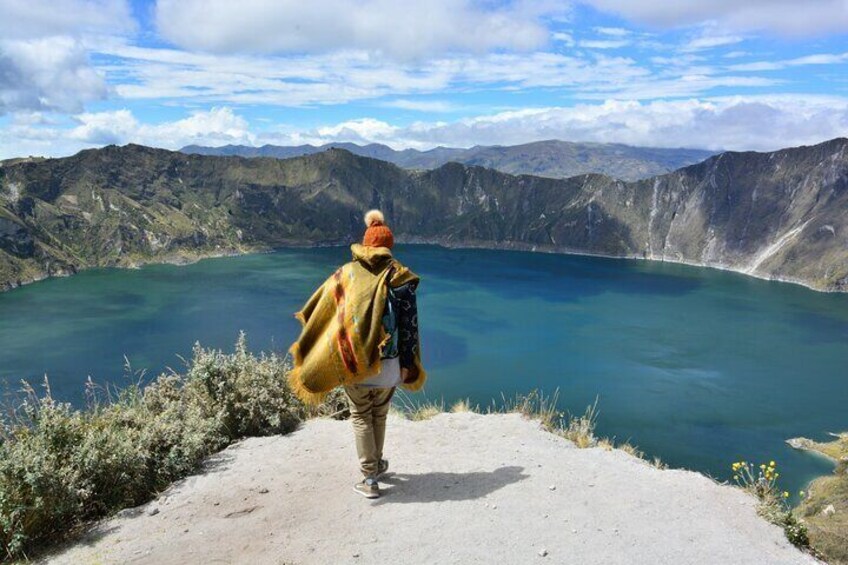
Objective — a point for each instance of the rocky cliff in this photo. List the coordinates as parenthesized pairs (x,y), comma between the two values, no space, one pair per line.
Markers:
(774,215)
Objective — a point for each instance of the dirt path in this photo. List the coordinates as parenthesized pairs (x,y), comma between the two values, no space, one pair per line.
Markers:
(462,488)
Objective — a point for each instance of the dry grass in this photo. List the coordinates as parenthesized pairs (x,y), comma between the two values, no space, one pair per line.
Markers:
(581,429)
(631,449)
(426,412)
(825,508)
(462,406)
(534,405)
(658,463)
(416,410)
(578,429)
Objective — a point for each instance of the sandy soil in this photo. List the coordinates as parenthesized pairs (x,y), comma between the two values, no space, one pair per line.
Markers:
(462,488)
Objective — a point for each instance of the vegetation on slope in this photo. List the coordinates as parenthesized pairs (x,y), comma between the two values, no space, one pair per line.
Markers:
(779,214)
(60,466)
(825,507)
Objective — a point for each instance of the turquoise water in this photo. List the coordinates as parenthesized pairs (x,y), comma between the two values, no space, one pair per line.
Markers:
(697,366)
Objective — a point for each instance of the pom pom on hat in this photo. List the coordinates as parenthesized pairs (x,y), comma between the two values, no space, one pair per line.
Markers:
(378,233)
(374,218)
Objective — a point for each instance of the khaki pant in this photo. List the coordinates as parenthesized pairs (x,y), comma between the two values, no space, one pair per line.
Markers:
(368,410)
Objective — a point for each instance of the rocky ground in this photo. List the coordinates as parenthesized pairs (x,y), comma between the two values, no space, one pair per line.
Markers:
(462,488)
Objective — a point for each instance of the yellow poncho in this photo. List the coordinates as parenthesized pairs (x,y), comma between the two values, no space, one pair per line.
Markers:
(343,334)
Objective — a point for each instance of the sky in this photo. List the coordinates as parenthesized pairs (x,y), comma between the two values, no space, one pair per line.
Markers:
(717,74)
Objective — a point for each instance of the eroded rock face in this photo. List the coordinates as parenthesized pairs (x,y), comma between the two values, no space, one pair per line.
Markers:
(15,239)
(781,214)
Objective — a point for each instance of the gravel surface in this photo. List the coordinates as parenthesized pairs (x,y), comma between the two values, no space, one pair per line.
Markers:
(462,488)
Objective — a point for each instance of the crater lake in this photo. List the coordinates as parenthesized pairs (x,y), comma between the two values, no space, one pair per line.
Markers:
(697,366)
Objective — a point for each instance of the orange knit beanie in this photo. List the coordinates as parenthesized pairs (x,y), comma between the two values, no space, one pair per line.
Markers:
(377,233)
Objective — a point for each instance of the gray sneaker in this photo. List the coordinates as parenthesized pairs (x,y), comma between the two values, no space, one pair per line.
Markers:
(382,466)
(369,488)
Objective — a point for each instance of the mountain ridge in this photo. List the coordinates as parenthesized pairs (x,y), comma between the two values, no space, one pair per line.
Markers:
(549,158)
(778,215)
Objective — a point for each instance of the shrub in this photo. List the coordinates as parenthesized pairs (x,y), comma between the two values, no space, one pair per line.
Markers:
(246,393)
(60,466)
(762,482)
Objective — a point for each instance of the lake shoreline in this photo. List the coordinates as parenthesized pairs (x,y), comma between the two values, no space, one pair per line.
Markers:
(825,506)
(181,258)
(829,450)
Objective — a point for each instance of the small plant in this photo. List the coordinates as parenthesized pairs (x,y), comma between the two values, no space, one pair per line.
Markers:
(416,410)
(761,481)
(581,429)
(631,449)
(425,412)
(463,406)
(534,405)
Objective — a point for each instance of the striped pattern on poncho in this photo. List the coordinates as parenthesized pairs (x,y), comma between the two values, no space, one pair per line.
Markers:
(342,336)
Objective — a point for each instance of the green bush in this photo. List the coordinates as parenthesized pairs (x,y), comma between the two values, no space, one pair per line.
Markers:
(60,466)
(243,391)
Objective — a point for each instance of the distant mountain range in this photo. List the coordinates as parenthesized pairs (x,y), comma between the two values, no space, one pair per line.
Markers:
(555,159)
(780,215)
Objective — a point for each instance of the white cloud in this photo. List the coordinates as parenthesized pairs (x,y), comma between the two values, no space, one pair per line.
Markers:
(359,131)
(47,74)
(708,41)
(734,123)
(346,76)
(684,82)
(421,105)
(387,27)
(29,19)
(218,126)
(817,59)
(792,17)
(613,31)
(44,63)
(604,43)
(563,37)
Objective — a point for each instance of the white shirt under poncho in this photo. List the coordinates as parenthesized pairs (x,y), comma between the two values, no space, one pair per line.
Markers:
(388,377)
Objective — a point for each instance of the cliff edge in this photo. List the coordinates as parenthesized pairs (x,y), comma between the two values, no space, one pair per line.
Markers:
(462,488)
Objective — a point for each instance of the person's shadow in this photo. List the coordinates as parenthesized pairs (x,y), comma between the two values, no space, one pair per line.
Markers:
(440,487)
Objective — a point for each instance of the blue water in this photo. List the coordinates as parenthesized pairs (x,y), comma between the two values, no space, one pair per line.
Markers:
(696,366)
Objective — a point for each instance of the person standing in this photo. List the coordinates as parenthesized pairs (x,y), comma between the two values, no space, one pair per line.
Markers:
(360,331)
